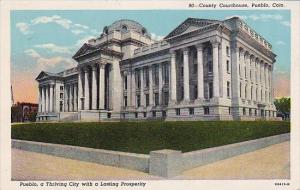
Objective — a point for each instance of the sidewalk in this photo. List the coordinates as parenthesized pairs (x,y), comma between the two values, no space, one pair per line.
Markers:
(272,162)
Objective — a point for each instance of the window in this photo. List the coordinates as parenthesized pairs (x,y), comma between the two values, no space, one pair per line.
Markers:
(229,110)
(125,82)
(244,111)
(145,114)
(227,51)
(177,110)
(61,95)
(227,66)
(156,99)
(61,88)
(136,114)
(195,91)
(147,99)
(228,89)
(206,110)
(250,111)
(164,114)
(210,87)
(108,115)
(240,90)
(124,28)
(125,101)
(153,113)
(60,106)
(255,112)
(166,98)
(138,100)
(191,111)
(210,67)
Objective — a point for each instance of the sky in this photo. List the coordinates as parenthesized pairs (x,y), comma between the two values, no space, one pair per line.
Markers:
(46,40)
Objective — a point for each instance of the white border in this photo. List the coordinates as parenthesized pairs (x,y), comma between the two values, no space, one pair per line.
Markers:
(6,6)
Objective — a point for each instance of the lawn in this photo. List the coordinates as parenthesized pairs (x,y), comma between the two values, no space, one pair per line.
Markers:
(143,137)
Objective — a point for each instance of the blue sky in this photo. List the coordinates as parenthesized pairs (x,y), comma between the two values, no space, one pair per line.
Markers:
(46,40)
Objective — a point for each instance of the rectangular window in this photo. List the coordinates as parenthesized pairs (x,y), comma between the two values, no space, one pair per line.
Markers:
(125,101)
(227,51)
(153,113)
(195,91)
(191,111)
(145,114)
(147,99)
(250,111)
(61,95)
(138,100)
(60,106)
(166,98)
(229,110)
(210,67)
(164,114)
(255,112)
(156,99)
(228,89)
(211,88)
(125,82)
(61,88)
(244,111)
(206,110)
(227,66)
(177,110)
(108,115)
(136,114)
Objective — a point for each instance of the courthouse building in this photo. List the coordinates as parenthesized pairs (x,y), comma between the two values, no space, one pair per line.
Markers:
(202,70)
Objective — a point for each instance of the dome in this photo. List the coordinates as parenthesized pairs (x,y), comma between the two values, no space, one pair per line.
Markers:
(125,25)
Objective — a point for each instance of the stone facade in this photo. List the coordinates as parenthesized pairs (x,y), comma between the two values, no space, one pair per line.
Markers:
(202,70)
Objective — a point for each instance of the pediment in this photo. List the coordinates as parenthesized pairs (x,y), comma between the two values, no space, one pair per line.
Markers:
(44,75)
(86,48)
(189,25)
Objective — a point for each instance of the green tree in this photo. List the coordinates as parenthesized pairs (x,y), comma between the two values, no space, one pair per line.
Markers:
(283,106)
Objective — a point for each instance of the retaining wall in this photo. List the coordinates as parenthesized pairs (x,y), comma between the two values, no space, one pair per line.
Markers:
(164,163)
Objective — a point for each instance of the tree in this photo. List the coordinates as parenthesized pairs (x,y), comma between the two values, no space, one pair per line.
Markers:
(283,106)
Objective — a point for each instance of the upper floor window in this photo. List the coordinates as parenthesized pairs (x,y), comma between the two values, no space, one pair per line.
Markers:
(227,66)
(61,88)
(210,67)
(125,82)
(227,51)
(228,89)
(211,88)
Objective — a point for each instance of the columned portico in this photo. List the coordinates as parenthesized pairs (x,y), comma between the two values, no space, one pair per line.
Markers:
(94,87)
(200,79)
(47,98)
(51,98)
(173,80)
(101,87)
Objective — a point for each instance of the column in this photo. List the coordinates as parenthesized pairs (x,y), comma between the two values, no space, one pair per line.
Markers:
(94,87)
(51,98)
(133,94)
(68,97)
(160,84)
(40,100)
(43,99)
(86,90)
(150,86)
(142,87)
(75,97)
(216,68)
(173,80)
(71,97)
(128,75)
(47,99)
(186,76)
(200,78)
(101,86)
(80,90)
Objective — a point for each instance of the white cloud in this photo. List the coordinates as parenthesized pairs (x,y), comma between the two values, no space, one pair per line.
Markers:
(280,42)
(54,48)
(156,37)
(23,27)
(286,23)
(67,24)
(49,63)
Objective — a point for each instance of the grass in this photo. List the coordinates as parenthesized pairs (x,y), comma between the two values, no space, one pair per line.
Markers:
(143,137)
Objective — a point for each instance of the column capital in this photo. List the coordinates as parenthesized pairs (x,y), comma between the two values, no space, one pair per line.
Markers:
(173,52)
(199,47)
(185,50)
(101,65)
(215,41)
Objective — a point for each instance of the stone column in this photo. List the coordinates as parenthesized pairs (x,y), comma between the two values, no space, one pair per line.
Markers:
(216,90)
(241,60)
(142,87)
(43,99)
(200,79)
(160,84)
(51,98)
(94,87)
(150,86)
(40,100)
(71,97)
(173,80)
(47,99)
(80,90)
(128,75)
(101,86)
(133,94)
(86,90)
(75,97)
(186,76)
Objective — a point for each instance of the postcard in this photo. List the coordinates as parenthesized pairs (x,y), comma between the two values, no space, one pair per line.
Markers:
(150,95)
